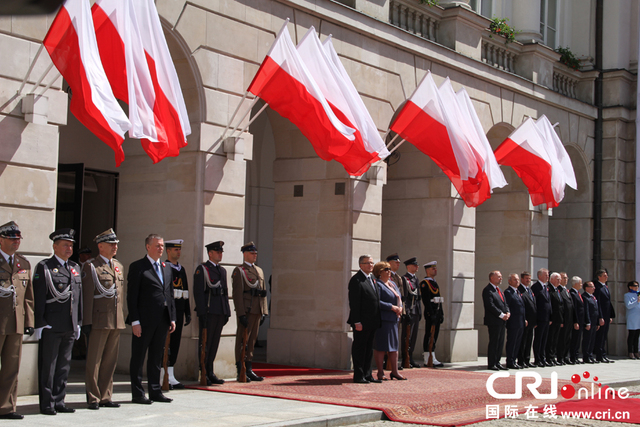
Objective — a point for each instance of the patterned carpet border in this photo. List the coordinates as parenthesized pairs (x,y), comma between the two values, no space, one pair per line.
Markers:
(429,396)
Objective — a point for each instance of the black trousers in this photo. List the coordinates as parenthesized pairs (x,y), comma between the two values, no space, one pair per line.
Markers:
(552,341)
(414,324)
(601,340)
(362,353)
(514,338)
(427,334)
(632,340)
(564,341)
(176,336)
(576,336)
(496,344)
(540,341)
(152,340)
(54,357)
(589,341)
(215,323)
(525,344)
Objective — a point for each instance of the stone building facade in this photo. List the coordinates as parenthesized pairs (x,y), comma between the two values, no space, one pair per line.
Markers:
(309,219)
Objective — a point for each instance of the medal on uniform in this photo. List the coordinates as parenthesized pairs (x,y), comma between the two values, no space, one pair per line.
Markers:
(24,282)
(117,269)
(163,264)
(55,270)
(2,283)
(73,271)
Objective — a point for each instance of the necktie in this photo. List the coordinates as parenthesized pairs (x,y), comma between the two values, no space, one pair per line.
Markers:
(158,271)
(373,285)
(11,261)
(66,266)
(501,297)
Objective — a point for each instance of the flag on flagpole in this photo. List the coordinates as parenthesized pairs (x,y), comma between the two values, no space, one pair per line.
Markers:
(284,82)
(123,58)
(544,167)
(445,127)
(170,111)
(71,43)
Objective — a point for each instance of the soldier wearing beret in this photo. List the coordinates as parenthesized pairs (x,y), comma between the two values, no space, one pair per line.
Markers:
(16,315)
(211,295)
(433,314)
(183,311)
(411,301)
(103,319)
(57,290)
(250,300)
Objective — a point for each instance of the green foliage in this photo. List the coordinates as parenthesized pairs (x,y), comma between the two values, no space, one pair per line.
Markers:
(500,27)
(568,58)
(430,2)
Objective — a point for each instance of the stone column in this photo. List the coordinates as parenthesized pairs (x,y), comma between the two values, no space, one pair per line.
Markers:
(526,19)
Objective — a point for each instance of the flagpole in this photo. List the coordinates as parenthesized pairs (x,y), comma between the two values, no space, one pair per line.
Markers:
(252,119)
(390,142)
(33,63)
(386,134)
(235,128)
(48,86)
(43,76)
(234,114)
(396,147)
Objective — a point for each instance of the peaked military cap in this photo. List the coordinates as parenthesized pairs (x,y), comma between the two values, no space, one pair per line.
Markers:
(411,261)
(63,234)
(84,250)
(215,246)
(249,247)
(108,236)
(10,230)
(431,264)
(393,257)
(177,243)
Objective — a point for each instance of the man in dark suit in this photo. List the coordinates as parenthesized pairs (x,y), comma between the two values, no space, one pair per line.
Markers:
(557,318)
(57,291)
(411,303)
(564,340)
(211,294)
(603,295)
(152,314)
(531,315)
(364,318)
(592,322)
(496,314)
(578,322)
(516,322)
(543,310)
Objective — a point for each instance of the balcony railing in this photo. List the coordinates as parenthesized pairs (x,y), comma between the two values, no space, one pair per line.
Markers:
(416,18)
(565,81)
(498,54)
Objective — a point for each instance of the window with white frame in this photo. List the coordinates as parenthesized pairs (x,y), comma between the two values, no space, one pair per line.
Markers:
(483,7)
(549,22)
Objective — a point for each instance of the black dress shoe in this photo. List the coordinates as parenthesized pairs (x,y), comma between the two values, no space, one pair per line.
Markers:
(94,406)
(414,364)
(602,360)
(607,360)
(589,361)
(11,416)
(513,366)
(160,398)
(141,400)
(549,363)
(373,380)
(502,368)
(65,409)
(530,365)
(571,362)
(493,368)
(48,411)
(360,381)
(109,404)
(178,386)
(213,379)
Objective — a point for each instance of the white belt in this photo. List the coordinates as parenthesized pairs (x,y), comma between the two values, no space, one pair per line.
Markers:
(437,300)
(180,294)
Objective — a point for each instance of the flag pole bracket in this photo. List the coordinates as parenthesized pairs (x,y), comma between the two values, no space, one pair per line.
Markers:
(35,108)
(237,148)
(377,174)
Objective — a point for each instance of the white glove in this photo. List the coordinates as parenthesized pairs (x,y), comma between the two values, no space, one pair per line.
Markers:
(77,332)
(38,331)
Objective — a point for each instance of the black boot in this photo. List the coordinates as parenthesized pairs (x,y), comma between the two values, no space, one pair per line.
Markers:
(250,374)
(239,368)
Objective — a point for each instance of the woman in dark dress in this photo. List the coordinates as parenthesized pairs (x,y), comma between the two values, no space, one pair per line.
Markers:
(386,338)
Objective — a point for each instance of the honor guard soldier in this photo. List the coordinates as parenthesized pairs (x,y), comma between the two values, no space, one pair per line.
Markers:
(84,255)
(211,295)
(57,290)
(103,319)
(411,301)
(183,311)
(16,315)
(433,314)
(250,300)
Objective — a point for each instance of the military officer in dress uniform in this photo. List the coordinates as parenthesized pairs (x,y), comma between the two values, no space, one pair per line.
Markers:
(433,314)
(103,319)
(411,302)
(250,300)
(183,311)
(211,295)
(57,290)
(16,315)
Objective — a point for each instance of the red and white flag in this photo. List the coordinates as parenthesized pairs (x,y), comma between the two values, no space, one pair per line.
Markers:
(343,98)
(170,112)
(538,157)
(71,43)
(285,83)
(446,129)
(124,61)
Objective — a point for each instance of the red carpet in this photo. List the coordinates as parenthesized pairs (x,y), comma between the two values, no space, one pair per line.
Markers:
(615,410)
(271,370)
(430,396)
